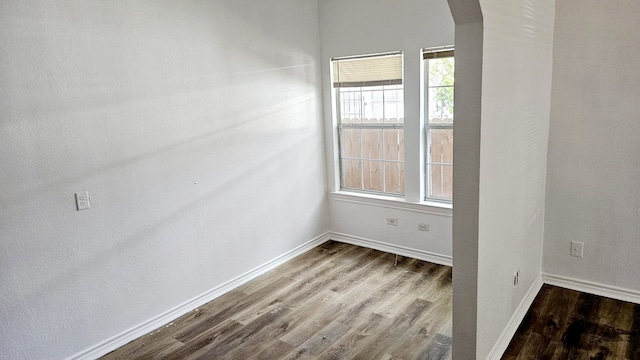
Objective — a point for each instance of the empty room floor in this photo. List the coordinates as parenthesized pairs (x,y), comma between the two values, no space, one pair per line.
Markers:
(568,324)
(336,301)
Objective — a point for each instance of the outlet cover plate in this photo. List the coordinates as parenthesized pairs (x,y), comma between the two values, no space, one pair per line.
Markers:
(577,249)
(82,200)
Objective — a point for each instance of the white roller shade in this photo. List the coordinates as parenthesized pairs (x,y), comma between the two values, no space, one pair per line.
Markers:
(368,71)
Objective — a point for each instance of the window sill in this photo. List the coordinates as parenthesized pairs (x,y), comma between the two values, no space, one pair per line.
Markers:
(426,207)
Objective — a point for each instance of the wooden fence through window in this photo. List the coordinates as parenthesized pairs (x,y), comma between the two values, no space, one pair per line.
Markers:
(373,160)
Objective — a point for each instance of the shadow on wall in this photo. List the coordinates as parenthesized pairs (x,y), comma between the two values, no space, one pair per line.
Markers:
(131,55)
(27,197)
(224,194)
(196,127)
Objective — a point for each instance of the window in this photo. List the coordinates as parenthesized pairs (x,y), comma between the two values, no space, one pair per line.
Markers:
(370,113)
(439,75)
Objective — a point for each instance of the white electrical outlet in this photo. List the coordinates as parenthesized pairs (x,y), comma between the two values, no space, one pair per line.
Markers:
(577,249)
(82,200)
(423,227)
(392,221)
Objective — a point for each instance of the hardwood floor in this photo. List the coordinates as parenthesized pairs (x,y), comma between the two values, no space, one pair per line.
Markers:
(567,324)
(337,301)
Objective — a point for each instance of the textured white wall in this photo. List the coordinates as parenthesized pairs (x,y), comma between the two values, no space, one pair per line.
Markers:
(369,221)
(516,90)
(503,89)
(466,174)
(594,148)
(196,128)
(352,27)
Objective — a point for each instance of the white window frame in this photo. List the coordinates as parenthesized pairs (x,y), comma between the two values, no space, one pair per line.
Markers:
(433,53)
(381,126)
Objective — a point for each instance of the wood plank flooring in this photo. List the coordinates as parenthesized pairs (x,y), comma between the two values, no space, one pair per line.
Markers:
(567,324)
(336,301)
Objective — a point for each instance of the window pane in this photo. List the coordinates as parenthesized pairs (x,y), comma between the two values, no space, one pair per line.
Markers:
(352,174)
(394,177)
(373,160)
(377,110)
(372,144)
(393,105)
(372,175)
(441,104)
(440,164)
(377,93)
(441,146)
(350,143)
(440,94)
(441,72)
(350,100)
(441,182)
(394,144)
(373,104)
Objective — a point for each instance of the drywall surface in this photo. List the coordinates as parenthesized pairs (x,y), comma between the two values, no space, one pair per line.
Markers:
(594,148)
(516,90)
(466,174)
(359,217)
(196,128)
(357,27)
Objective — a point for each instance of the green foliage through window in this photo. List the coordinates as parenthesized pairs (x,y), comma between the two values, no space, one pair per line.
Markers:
(441,75)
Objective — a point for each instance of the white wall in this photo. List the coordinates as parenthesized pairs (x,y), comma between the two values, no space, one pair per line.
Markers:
(364,222)
(504,77)
(195,127)
(516,90)
(466,174)
(594,149)
(356,27)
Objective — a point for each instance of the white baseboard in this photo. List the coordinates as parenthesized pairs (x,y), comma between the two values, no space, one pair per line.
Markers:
(496,352)
(517,317)
(144,328)
(390,248)
(564,282)
(592,288)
